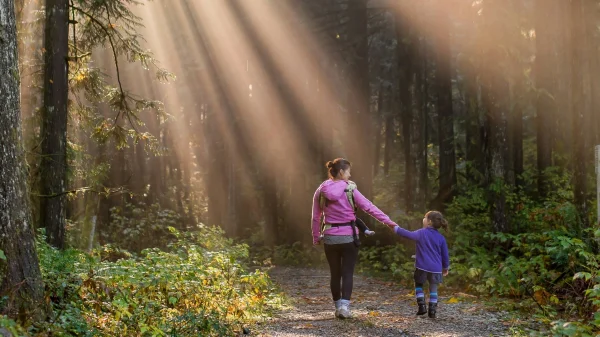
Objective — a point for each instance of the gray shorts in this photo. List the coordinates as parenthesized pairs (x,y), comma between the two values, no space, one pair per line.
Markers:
(421,276)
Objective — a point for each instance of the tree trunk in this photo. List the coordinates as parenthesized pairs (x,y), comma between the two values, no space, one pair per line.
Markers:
(214,180)
(497,94)
(377,128)
(592,12)
(474,135)
(405,52)
(517,143)
(360,121)
(422,92)
(20,271)
(579,109)
(389,140)
(545,74)
(53,166)
(563,125)
(447,166)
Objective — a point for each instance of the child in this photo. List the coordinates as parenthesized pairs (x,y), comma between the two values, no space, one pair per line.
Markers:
(432,260)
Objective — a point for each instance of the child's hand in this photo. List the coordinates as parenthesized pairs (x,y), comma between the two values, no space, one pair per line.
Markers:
(445,272)
(369,232)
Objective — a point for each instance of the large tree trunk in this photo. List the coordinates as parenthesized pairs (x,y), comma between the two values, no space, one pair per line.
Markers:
(563,124)
(474,133)
(377,130)
(447,167)
(422,93)
(389,141)
(516,129)
(360,121)
(405,53)
(545,74)
(53,166)
(497,94)
(20,271)
(579,109)
(593,13)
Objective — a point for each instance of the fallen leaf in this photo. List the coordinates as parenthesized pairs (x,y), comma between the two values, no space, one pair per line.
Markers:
(452,300)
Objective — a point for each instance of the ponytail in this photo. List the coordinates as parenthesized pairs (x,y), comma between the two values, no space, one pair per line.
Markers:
(437,220)
(335,166)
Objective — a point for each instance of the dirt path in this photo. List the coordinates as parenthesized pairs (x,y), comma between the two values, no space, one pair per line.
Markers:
(379,309)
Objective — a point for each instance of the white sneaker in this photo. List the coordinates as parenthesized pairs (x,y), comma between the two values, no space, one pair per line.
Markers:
(369,233)
(344,312)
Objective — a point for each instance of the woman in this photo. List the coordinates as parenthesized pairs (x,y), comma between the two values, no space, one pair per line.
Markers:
(333,200)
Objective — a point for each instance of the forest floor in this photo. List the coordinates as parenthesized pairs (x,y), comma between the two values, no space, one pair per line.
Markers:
(379,308)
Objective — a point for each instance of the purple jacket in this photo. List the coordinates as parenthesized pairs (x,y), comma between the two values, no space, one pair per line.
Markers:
(339,210)
(432,251)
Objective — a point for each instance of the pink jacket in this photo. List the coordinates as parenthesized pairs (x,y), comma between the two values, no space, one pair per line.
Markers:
(339,210)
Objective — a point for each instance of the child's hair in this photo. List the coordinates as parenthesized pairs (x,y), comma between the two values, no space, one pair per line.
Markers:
(437,220)
(334,166)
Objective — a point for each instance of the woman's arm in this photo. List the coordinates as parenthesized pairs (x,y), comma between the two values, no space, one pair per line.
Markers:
(316,217)
(367,206)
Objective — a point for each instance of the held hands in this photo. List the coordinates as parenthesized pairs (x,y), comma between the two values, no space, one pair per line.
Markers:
(392,226)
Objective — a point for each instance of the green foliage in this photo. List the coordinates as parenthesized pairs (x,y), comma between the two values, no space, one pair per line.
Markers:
(198,286)
(533,262)
(393,260)
(296,254)
(10,326)
(545,260)
(132,222)
(110,24)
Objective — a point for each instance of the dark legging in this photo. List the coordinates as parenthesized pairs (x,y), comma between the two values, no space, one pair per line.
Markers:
(342,259)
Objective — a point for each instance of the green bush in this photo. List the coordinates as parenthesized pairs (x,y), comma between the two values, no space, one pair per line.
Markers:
(132,222)
(198,286)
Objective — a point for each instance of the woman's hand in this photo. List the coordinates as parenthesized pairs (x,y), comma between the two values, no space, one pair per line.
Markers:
(445,272)
(392,226)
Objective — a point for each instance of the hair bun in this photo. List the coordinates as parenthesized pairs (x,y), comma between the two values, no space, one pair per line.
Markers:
(329,164)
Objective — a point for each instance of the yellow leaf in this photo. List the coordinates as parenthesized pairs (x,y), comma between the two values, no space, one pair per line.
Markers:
(374,313)
(453,300)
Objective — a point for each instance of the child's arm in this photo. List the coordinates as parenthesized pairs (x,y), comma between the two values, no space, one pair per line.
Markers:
(408,234)
(362,227)
(445,258)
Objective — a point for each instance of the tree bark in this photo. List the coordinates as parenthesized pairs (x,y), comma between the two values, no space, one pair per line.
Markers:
(360,119)
(545,74)
(20,271)
(497,94)
(516,128)
(579,109)
(389,140)
(377,129)
(53,166)
(447,167)
(405,65)
(422,93)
